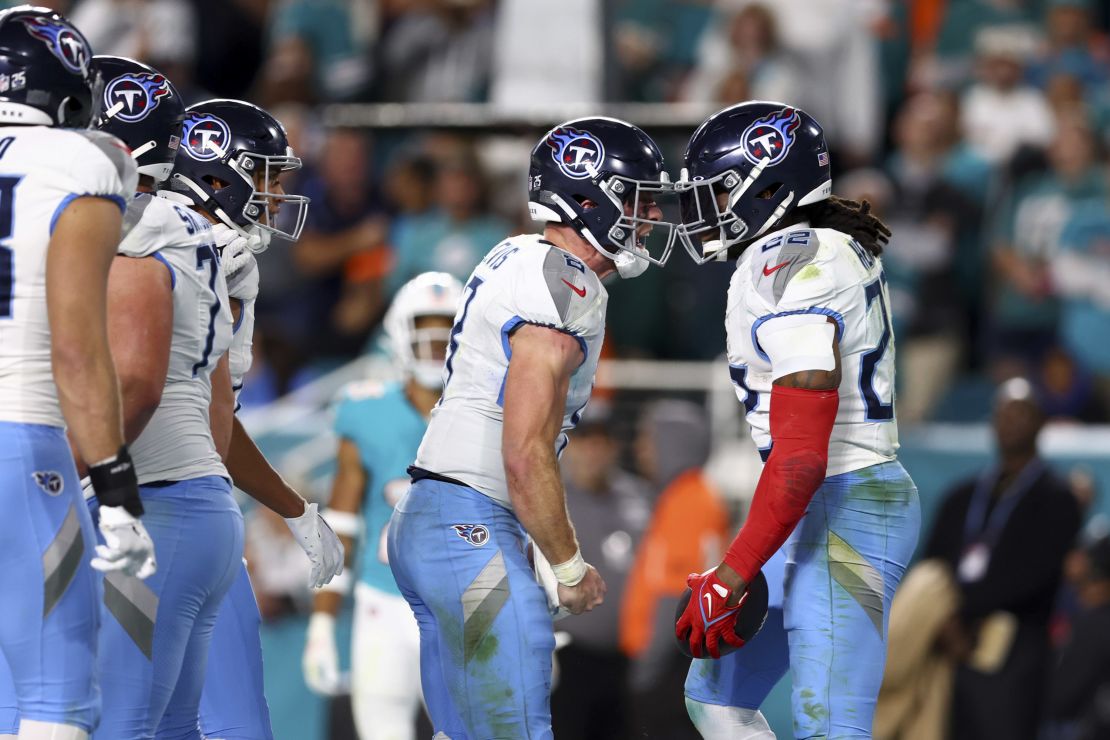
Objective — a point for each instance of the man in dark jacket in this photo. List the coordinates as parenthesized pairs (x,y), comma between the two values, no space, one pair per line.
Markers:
(1005,534)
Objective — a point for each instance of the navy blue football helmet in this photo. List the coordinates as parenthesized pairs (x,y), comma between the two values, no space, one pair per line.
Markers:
(618,168)
(230,158)
(767,158)
(142,108)
(46,77)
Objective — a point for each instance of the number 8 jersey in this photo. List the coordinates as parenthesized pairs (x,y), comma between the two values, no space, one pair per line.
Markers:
(801,272)
(176,443)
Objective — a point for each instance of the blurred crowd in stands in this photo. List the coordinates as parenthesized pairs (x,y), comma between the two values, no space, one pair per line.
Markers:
(978,129)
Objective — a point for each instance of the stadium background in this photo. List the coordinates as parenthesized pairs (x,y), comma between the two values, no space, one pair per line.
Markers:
(978,128)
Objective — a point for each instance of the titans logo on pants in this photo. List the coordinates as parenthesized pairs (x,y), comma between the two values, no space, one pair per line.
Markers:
(579,154)
(770,137)
(137,94)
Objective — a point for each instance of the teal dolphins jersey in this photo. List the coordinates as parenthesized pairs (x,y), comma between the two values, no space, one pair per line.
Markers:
(387,430)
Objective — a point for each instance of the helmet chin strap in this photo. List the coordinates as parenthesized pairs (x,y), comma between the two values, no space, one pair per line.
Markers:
(628,264)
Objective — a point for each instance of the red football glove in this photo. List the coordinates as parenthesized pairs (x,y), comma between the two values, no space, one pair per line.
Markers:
(707,616)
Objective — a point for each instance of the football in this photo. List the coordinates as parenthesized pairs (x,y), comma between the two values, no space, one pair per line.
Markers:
(748,624)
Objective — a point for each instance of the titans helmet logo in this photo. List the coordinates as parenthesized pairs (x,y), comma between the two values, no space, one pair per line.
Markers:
(62,41)
(136,95)
(771,137)
(579,154)
(475,534)
(205,137)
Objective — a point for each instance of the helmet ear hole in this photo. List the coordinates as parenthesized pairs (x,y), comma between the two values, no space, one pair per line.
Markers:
(769,192)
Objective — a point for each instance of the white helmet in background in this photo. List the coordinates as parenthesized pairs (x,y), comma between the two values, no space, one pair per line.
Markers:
(420,352)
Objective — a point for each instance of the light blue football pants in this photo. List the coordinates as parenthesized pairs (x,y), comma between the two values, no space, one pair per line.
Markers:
(155,634)
(49,591)
(233,704)
(831,587)
(486,635)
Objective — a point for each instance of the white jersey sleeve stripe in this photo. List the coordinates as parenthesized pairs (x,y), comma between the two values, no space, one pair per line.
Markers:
(173,273)
(835,316)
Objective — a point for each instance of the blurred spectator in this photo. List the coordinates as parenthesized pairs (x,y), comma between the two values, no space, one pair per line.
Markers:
(319,51)
(832,46)
(744,48)
(341,258)
(654,45)
(1080,685)
(611,511)
(1072,48)
(456,233)
(438,52)
(1067,390)
(1000,112)
(951,61)
(984,530)
(547,55)
(159,32)
(1026,239)
(687,533)
(1081,275)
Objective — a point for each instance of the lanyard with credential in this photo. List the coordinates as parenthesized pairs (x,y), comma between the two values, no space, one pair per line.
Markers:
(979,540)
(1007,502)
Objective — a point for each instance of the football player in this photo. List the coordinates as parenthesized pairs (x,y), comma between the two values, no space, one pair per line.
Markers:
(380,428)
(235,184)
(811,353)
(520,366)
(62,194)
(169,329)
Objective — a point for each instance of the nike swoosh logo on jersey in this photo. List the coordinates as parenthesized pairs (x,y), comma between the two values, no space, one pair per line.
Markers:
(771,271)
(580,291)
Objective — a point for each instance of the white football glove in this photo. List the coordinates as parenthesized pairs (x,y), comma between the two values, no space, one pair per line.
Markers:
(320,662)
(127,547)
(236,248)
(320,543)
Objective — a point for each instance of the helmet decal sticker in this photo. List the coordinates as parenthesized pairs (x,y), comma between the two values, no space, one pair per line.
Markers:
(770,137)
(579,154)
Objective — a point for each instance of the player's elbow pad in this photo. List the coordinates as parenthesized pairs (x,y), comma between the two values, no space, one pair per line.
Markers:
(801,425)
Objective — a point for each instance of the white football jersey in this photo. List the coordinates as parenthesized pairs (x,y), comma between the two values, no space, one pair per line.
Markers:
(242,285)
(818,271)
(177,442)
(524,279)
(41,171)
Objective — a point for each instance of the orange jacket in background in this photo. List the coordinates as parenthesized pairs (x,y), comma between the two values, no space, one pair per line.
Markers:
(686,535)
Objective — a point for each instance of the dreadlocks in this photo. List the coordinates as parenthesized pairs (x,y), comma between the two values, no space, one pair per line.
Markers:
(854,218)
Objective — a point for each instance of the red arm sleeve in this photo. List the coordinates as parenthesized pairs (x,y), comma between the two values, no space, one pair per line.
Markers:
(801,424)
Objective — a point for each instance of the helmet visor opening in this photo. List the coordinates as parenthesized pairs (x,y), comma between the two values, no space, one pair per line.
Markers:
(648,213)
(708,224)
(270,208)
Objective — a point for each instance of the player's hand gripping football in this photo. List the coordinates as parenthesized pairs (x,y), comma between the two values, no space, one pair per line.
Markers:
(588,593)
(320,544)
(708,617)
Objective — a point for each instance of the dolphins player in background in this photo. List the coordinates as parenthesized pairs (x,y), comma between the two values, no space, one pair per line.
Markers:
(380,428)
(811,352)
(229,170)
(519,370)
(169,329)
(62,193)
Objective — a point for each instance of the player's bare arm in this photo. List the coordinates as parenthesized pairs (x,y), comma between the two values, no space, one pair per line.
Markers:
(535,395)
(140,332)
(221,409)
(77,264)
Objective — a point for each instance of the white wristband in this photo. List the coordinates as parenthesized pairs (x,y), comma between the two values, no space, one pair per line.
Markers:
(572,571)
(342,522)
